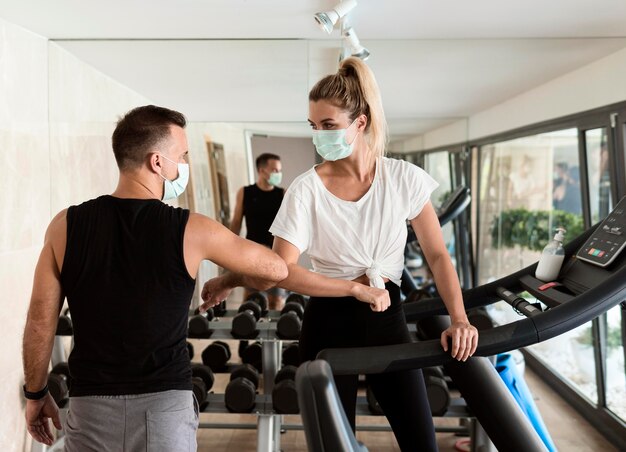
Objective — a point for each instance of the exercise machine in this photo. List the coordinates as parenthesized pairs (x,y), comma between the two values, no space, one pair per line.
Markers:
(591,281)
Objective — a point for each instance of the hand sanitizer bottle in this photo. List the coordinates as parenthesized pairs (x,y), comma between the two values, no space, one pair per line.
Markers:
(551,258)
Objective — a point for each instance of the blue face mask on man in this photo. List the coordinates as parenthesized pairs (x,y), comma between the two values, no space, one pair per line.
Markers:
(331,145)
(275,179)
(174,188)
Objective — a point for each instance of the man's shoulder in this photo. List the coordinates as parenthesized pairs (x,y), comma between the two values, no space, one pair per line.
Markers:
(200,222)
(91,202)
(58,221)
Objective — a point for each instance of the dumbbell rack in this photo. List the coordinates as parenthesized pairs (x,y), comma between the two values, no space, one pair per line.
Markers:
(269,423)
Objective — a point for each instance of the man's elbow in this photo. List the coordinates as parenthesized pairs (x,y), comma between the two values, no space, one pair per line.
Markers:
(276,272)
(281,272)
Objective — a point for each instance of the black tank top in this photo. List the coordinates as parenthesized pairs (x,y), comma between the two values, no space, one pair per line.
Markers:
(128,290)
(260,208)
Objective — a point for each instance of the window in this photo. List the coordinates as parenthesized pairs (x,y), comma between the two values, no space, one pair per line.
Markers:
(528,187)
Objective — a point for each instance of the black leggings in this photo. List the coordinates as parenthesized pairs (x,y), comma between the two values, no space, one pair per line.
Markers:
(347,322)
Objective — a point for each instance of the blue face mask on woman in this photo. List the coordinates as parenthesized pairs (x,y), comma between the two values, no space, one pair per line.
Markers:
(331,145)
(174,188)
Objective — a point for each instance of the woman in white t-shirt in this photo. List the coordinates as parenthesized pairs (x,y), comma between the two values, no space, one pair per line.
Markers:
(349,215)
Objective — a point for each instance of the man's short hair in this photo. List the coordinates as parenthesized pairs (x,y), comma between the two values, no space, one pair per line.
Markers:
(262,160)
(140,131)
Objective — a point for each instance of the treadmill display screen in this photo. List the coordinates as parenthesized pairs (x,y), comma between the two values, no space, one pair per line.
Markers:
(608,240)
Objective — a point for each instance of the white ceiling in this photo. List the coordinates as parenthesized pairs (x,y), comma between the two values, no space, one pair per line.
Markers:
(254,61)
(289,19)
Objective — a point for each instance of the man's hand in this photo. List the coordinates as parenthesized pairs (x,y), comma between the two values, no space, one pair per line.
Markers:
(215,291)
(37,414)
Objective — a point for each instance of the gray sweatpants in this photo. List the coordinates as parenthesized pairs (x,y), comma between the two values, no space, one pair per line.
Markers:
(157,422)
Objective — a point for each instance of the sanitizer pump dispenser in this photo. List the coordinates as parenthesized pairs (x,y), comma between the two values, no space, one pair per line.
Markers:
(551,258)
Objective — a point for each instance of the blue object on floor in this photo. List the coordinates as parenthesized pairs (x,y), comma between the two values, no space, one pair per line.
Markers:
(505,365)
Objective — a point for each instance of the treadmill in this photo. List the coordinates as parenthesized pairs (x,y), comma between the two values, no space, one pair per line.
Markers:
(592,280)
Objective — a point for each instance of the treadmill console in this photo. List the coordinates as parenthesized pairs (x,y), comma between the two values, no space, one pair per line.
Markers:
(608,240)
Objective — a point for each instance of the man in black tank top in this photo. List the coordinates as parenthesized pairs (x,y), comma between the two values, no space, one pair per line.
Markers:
(126,263)
(258,204)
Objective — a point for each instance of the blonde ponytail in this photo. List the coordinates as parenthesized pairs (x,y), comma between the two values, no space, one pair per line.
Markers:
(354,89)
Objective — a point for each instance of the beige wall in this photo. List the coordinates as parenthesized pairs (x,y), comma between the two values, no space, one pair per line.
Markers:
(25,206)
(56,119)
(84,107)
(57,115)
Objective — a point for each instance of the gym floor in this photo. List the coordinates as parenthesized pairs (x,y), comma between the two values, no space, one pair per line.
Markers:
(568,429)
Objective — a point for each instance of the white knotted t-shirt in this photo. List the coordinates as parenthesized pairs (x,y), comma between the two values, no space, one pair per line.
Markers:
(346,239)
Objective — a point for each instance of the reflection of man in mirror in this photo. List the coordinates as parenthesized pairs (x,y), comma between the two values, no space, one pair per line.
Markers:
(259,204)
(566,192)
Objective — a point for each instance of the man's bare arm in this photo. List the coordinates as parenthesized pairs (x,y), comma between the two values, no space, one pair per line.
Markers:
(251,264)
(45,304)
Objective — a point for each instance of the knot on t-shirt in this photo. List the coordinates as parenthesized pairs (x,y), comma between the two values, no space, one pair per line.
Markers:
(373,274)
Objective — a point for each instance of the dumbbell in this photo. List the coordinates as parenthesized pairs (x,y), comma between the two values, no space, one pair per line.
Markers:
(216,356)
(284,396)
(202,379)
(240,395)
(199,326)
(244,323)
(436,390)
(290,322)
(220,309)
(64,325)
(252,354)
(291,355)
(59,383)
(297,298)
(259,299)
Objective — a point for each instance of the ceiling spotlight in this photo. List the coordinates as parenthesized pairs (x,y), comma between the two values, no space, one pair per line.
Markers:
(352,41)
(328,19)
